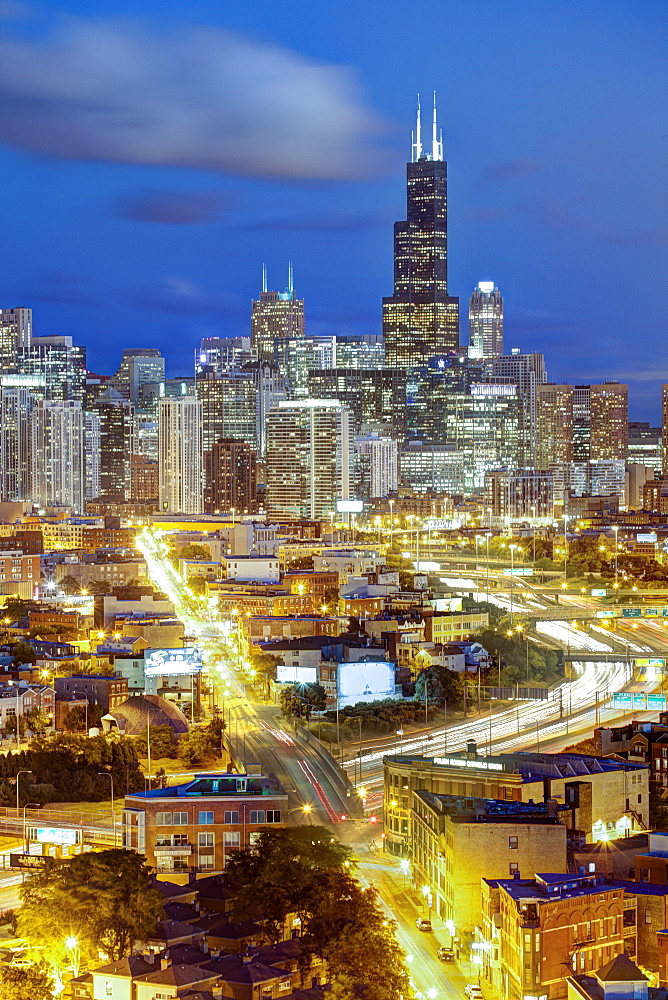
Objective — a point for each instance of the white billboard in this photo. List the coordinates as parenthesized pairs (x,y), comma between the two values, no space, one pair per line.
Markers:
(447,604)
(296,675)
(366,680)
(170,662)
(55,835)
(350,506)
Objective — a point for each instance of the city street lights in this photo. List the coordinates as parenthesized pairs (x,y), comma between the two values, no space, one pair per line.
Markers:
(404,864)
(18,773)
(18,722)
(512,548)
(26,806)
(72,946)
(106,774)
(615,528)
(533,534)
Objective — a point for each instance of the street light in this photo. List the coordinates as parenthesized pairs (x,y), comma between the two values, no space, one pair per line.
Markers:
(113,814)
(18,723)
(17,788)
(37,805)
(512,548)
(72,945)
(615,528)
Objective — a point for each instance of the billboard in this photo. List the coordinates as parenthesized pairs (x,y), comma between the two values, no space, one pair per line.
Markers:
(296,675)
(350,506)
(55,835)
(447,604)
(365,680)
(599,592)
(169,662)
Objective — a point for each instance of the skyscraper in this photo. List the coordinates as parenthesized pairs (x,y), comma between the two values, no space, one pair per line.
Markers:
(57,454)
(373,395)
(485,321)
(15,336)
(62,365)
(420,319)
(608,421)
(276,317)
(117,444)
(230,473)
(180,455)
(16,404)
(222,354)
(528,371)
(377,466)
(554,425)
(664,426)
(139,365)
(308,461)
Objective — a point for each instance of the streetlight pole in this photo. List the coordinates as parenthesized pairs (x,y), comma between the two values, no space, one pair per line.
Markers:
(565,549)
(615,528)
(26,806)
(113,814)
(533,535)
(18,773)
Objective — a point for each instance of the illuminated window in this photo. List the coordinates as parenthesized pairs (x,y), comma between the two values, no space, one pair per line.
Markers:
(512,843)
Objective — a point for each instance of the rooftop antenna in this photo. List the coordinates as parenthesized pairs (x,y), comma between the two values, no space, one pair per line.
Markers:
(264,277)
(436,143)
(417,144)
(291,284)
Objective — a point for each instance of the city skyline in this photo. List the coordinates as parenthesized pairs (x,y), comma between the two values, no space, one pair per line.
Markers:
(162,255)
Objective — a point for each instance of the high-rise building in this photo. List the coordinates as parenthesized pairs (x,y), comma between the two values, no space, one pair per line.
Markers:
(420,319)
(554,424)
(229,407)
(223,354)
(297,357)
(308,460)
(520,493)
(139,365)
(664,427)
(364,350)
(581,418)
(276,317)
(92,487)
(373,395)
(16,404)
(180,455)
(270,389)
(62,365)
(608,421)
(377,467)
(144,479)
(432,391)
(528,371)
(57,432)
(432,468)
(230,477)
(644,445)
(485,321)
(15,336)
(117,442)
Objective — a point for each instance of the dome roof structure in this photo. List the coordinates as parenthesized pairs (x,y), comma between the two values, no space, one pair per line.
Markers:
(138,711)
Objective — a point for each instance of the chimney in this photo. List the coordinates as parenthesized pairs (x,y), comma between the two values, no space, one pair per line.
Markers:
(149,957)
(552,808)
(164,962)
(471,747)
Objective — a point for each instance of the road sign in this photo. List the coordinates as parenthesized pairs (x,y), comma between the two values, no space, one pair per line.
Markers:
(622,699)
(656,702)
(605,614)
(651,612)
(599,593)
(648,661)
(28,860)
(639,700)
(631,612)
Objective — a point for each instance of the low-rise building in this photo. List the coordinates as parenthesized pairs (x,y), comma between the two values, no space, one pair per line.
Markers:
(107,692)
(19,573)
(454,627)
(195,826)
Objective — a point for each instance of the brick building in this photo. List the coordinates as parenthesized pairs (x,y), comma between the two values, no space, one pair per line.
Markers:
(107,692)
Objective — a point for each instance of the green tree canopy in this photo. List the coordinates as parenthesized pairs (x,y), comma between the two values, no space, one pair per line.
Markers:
(265,665)
(300,700)
(25,983)
(24,653)
(104,900)
(14,608)
(195,746)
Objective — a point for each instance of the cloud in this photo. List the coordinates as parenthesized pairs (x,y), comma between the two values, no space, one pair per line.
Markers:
(203,98)
(63,287)
(333,221)
(511,170)
(172,207)
(180,295)
(555,216)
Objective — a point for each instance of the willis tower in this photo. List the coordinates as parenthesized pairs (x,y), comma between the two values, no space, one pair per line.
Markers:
(421,320)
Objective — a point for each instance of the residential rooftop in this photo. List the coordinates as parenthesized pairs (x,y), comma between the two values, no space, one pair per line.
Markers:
(463,809)
(214,785)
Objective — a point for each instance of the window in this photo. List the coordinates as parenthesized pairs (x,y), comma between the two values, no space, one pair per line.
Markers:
(512,843)
(257,816)
(232,816)
(180,819)
(108,989)
(273,815)
(180,840)
(205,839)
(163,819)
(231,838)
(639,799)
(513,867)
(206,818)
(644,874)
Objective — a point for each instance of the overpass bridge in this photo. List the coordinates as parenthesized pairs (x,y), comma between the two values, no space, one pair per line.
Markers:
(59,828)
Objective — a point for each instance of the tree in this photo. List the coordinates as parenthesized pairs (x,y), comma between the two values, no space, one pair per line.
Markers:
(15,608)
(25,983)
(198,585)
(24,653)
(195,746)
(104,900)
(441,684)
(300,700)
(265,665)
(69,585)
(164,742)
(195,551)
(75,720)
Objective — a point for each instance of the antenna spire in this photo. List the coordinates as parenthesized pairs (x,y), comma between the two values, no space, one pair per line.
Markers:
(291,284)
(417,144)
(436,143)
(264,277)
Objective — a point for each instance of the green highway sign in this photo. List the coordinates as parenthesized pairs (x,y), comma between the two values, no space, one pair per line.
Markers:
(598,593)
(656,702)
(622,699)
(639,700)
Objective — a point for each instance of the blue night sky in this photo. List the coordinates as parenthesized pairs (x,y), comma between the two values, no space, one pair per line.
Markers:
(156,153)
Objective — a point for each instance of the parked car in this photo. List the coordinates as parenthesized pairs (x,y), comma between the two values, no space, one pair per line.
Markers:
(473,992)
(423,924)
(446,954)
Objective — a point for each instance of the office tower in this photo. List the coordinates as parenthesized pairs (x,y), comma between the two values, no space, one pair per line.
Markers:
(664,427)
(57,454)
(377,466)
(581,419)
(230,477)
(16,404)
(554,424)
(373,395)
(229,407)
(608,421)
(644,445)
(144,479)
(276,317)
(180,455)
(62,365)
(223,354)
(431,389)
(15,336)
(527,371)
(92,487)
(520,493)
(607,477)
(296,357)
(146,436)
(486,430)
(365,350)
(150,393)
(308,461)
(432,468)
(485,321)
(117,443)
(637,477)
(138,366)
(270,389)
(420,319)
